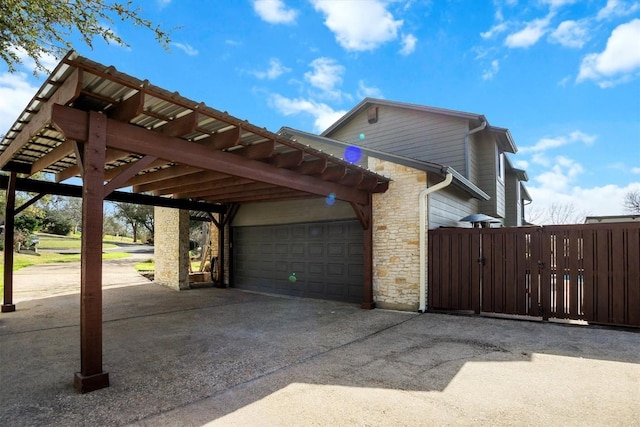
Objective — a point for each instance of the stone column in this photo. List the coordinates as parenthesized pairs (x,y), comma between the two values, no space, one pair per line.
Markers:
(171,247)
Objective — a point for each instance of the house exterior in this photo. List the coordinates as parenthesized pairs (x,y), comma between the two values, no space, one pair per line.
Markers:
(459,154)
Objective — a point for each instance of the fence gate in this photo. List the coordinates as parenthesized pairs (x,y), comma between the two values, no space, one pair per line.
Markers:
(585,272)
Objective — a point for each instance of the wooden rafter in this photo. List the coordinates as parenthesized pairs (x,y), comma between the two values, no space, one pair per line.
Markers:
(224,192)
(57,154)
(169,185)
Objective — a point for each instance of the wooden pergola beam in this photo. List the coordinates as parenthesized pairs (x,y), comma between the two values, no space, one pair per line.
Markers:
(220,141)
(210,182)
(180,126)
(71,171)
(67,92)
(224,192)
(169,185)
(128,109)
(58,153)
(73,123)
(128,173)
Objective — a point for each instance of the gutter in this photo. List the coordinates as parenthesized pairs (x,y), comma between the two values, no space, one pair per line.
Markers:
(467,160)
(423,230)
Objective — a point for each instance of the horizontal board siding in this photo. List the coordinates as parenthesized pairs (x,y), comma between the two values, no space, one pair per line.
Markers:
(487,178)
(447,206)
(414,134)
(512,201)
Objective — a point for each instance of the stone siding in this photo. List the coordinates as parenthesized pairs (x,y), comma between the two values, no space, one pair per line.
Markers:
(396,237)
(171,247)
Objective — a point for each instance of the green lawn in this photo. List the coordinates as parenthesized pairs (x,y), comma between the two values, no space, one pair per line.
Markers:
(50,241)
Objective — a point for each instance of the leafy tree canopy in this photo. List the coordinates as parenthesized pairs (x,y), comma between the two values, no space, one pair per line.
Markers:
(37,28)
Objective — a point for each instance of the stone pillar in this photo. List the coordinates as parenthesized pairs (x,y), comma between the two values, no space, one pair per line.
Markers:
(171,247)
(396,237)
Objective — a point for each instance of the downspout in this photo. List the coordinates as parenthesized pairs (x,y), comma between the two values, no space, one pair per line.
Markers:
(467,158)
(423,231)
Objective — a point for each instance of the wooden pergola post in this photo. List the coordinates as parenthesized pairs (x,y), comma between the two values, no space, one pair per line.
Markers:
(7,304)
(91,376)
(365,215)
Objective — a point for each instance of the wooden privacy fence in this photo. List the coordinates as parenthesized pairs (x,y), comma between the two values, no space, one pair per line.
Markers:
(585,272)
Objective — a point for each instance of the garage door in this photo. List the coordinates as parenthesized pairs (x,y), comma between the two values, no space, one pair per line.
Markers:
(315,260)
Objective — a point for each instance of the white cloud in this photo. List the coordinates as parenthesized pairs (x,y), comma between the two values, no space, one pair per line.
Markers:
(570,34)
(496,29)
(186,48)
(616,8)
(15,93)
(276,69)
(275,11)
(365,91)
(635,171)
(324,116)
(408,44)
(585,201)
(560,175)
(492,70)
(530,34)
(557,3)
(619,60)
(326,75)
(545,144)
(163,3)
(359,25)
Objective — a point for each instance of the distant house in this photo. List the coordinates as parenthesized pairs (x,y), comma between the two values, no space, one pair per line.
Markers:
(420,148)
(611,218)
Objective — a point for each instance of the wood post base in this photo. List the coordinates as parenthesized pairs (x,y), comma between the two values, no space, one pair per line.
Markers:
(368,305)
(8,308)
(89,383)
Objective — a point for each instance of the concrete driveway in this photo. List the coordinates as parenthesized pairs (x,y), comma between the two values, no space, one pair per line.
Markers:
(226,357)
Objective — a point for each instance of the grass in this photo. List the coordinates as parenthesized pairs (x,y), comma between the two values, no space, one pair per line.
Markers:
(48,241)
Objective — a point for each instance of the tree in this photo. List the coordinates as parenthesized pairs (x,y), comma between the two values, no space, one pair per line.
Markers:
(557,213)
(136,216)
(632,201)
(39,28)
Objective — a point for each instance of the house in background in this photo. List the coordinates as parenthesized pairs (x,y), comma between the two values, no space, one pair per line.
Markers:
(443,166)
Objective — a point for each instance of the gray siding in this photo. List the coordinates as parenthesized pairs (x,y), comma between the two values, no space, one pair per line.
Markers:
(485,149)
(428,137)
(447,206)
(513,204)
(293,211)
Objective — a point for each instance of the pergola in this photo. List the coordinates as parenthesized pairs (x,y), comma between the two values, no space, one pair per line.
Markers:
(115,131)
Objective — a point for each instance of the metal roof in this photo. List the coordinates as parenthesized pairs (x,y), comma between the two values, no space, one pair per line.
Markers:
(35,144)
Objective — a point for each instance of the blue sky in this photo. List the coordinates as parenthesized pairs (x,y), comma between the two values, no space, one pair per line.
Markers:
(562,75)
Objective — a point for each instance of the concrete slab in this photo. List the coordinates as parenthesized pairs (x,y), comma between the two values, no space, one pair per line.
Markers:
(224,357)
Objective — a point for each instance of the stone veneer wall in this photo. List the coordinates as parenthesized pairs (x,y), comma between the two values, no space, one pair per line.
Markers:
(171,247)
(396,237)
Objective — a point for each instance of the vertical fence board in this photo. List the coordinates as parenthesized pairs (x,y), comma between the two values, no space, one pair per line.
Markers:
(520,280)
(573,287)
(510,277)
(618,285)
(589,285)
(547,263)
(633,277)
(602,276)
(476,271)
(435,260)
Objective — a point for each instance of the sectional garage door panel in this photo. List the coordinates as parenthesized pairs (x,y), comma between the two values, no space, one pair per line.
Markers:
(326,259)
